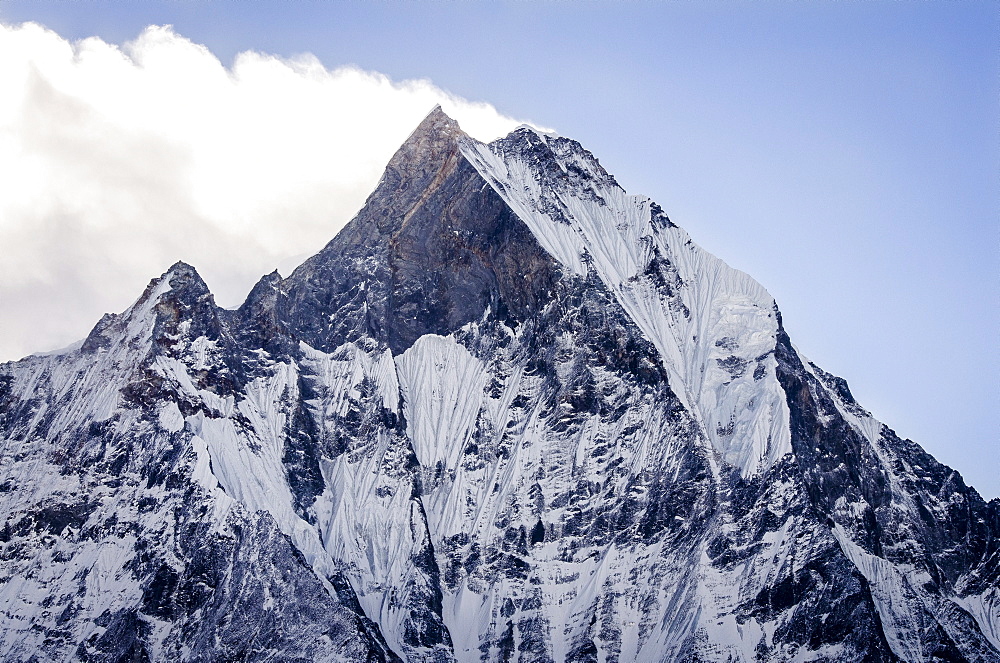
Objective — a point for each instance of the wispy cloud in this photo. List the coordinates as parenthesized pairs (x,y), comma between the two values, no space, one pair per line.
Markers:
(117,161)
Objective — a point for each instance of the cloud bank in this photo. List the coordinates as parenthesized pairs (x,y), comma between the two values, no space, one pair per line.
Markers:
(116,161)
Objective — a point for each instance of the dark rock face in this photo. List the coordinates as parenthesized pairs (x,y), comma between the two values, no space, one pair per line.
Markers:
(432,249)
(508,413)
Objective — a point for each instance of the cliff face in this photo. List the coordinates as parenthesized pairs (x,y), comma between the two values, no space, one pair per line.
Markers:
(433,248)
(509,413)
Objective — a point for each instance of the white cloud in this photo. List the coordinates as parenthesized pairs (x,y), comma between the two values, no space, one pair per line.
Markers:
(116,161)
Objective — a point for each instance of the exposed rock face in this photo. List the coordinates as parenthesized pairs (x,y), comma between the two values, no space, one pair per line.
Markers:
(509,413)
(432,250)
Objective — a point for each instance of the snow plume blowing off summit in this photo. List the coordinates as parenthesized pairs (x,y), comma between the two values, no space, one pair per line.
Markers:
(509,413)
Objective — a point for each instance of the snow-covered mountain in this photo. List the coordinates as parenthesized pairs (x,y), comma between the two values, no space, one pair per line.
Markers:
(510,413)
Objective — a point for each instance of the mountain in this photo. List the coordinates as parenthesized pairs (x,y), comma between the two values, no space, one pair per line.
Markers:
(509,413)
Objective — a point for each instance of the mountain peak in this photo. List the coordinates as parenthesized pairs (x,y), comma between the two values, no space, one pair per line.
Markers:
(434,248)
(438,121)
(435,135)
(181,268)
(181,279)
(510,412)
(177,295)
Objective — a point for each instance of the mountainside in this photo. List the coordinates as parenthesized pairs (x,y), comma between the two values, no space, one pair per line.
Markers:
(510,413)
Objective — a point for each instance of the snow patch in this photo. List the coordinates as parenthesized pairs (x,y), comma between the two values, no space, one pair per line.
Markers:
(985,609)
(171,418)
(894,599)
(442,388)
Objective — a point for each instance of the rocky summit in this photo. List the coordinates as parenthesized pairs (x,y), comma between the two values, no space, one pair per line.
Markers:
(509,413)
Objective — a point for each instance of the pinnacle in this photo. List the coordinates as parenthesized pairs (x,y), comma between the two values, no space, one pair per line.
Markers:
(437,121)
(181,273)
(180,277)
(180,267)
(436,133)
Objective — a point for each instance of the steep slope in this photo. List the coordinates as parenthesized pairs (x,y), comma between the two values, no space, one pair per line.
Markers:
(509,413)
(118,541)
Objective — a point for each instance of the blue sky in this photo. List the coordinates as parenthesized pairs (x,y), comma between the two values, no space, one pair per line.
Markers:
(845,154)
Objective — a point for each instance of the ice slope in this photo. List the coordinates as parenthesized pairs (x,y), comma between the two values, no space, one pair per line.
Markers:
(713,326)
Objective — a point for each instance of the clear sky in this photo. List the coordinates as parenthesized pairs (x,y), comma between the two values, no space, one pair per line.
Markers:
(845,154)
